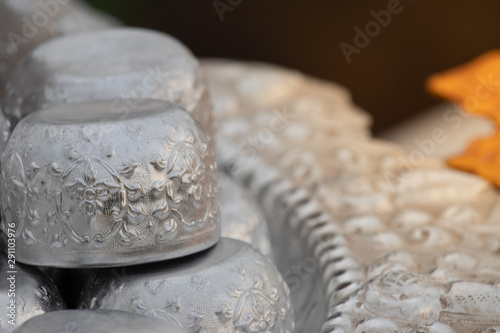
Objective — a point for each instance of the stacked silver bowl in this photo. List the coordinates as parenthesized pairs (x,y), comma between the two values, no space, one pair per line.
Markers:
(110,192)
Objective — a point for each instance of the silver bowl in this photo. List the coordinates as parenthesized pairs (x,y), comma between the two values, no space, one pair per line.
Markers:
(102,321)
(242,217)
(25,24)
(229,288)
(86,187)
(25,292)
(123,64)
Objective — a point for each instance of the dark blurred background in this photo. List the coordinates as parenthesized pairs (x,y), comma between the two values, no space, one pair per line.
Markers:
(386,76)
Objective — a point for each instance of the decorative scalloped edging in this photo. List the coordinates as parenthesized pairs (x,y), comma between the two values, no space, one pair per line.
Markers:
(299,211)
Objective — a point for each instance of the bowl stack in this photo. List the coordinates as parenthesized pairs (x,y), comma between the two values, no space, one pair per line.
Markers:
(110,165)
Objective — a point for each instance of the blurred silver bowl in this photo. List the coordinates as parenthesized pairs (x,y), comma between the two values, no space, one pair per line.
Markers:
(25,292)
(122,64)
(242,217)
(229,288)
(24,24)
(88,321)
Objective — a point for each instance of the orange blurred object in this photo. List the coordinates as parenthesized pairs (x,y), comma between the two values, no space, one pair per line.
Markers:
(475,86)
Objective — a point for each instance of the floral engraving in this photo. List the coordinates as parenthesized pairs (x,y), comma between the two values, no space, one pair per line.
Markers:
(256,311)
(21,193)
(189,185)
(100,191)
(168,312)
(92,192)
(187,180)
(167,221)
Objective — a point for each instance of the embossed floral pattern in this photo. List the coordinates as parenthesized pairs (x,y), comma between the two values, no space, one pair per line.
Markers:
(21,191)
(167,221)
(256,310)
(98,190)
(188,180)
(92,192)
(190,185)
(256,313)
(168,312)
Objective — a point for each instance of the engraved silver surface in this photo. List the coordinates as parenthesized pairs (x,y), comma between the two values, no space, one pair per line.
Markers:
(229,288)
(402,244)
(32,291)
(24,24)
(242,218)
(87,187)
(4,132)
(89,321)
(123,64)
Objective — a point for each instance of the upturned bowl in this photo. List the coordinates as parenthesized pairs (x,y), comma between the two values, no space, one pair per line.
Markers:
(86,187)
(122,64)
(88,321)
(229,288)
(25,292)
(26,24)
